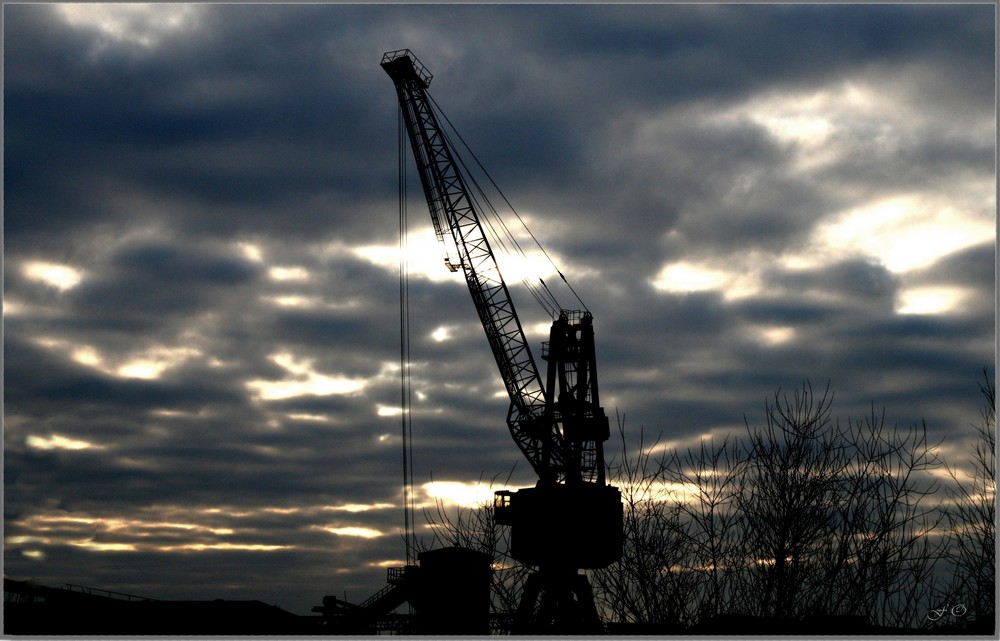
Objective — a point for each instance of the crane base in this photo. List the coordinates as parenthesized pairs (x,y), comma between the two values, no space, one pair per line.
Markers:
(557,601)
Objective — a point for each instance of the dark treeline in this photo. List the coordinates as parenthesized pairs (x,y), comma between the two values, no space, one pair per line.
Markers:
(803,517)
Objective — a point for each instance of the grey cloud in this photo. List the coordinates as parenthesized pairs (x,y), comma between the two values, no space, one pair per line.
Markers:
(145,167)
(859,280)
(974,266)
(38,382)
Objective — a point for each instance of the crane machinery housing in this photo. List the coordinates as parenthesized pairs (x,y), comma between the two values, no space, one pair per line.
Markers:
(571,520)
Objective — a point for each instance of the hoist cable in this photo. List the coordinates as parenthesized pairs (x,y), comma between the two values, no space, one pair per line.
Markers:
(552,297)
(579,300)
(492,210)
(404,349)
(492,219)
(536,294)
(504,197)
(550,306)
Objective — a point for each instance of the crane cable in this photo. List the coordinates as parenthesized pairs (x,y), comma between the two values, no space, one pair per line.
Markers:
(504,197)
(490,214)
(404,351)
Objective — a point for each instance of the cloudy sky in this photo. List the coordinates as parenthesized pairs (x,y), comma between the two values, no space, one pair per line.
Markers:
(201,355)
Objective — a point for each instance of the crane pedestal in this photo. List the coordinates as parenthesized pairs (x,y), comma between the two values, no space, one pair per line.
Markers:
(557,601)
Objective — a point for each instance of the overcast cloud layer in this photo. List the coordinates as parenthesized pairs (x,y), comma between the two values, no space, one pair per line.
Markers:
(201,297)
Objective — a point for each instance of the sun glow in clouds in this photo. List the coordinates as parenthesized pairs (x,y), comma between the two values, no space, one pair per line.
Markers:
(441,334)
(149,364)
(288,273)
(250,251)
(683,278)
(62,277)
(792,120)
(160,528)
(57,442)
(772,336)
(458,493)
(304,381)
(905,232)
(661,491)
(811,123)
(360,532)
(242,547)
(426,260)
(104,547)
(12,307)
(930,300)
(354,508)
(143,24)
(312,418)
(425,257)
(388,410)
(295,300)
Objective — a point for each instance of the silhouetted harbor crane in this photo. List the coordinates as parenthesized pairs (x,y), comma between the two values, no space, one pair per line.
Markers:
(571,519)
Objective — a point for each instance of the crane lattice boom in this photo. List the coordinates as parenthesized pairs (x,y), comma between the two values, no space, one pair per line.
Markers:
(452,209)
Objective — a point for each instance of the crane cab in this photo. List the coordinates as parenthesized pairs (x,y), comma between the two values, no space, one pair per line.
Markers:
(572,525)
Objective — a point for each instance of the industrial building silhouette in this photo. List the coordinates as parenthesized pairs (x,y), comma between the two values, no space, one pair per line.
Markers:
(449,593)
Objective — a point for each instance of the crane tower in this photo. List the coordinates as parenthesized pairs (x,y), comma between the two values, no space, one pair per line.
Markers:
(571,520)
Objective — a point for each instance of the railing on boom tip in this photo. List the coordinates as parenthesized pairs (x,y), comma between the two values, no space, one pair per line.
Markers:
(418,66)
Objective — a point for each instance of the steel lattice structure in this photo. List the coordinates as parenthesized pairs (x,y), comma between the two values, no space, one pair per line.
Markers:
(452,209)
(571,519)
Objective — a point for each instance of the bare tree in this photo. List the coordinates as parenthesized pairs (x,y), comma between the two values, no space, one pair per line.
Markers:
(475,529)
(838,516)
(794,463)
(709,524)
(644,586)
(881,559)
(972,516)
(802,516)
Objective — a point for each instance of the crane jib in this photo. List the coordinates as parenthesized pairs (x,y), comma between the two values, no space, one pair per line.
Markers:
(452,209)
